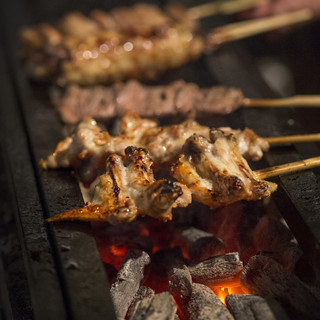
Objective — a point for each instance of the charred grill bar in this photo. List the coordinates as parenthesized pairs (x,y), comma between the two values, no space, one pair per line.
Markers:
(62,273)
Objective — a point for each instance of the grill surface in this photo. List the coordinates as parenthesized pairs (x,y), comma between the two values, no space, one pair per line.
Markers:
(62,274)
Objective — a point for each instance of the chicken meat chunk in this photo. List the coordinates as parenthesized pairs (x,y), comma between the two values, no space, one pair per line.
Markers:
(127,190)
(216,173)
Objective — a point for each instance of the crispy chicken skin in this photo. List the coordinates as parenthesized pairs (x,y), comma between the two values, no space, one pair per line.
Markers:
(127,190)
(87,149)
(165,143)
(250,145)
(216,173)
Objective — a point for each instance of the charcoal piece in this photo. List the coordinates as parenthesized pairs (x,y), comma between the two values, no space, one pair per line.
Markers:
(272,234)
(219,270)
(128,280)
(205,305)
(200,244)
(253,307)
(264,276)
(179,278)
(143,295)
(161,306)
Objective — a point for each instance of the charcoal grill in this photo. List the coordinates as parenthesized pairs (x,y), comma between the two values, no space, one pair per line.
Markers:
(56,272)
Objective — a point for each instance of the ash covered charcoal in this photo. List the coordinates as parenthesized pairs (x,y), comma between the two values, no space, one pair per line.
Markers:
(200,244)
(266,277)
(179,278)
(205,305)
(128,280)
(179,97)
(253,307)
(141,300)
(161,307)
(219,270)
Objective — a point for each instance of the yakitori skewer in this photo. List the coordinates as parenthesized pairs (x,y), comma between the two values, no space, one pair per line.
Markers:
(129,189)
(295,101)
(137,42)
(221,7)
(288,168)
(212,171)
(293,139)
(244,29)
(217,175)
(179,97)
(88,147)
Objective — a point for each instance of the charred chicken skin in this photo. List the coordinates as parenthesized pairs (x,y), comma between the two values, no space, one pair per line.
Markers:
(216,173)
(87,149)
(127,190)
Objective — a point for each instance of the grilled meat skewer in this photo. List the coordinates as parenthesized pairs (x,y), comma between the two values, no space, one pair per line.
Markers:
(127,190)
(177,98)
(216,173)
(87,149)
(138,42)
(104,103)
(212,171)
(129,42)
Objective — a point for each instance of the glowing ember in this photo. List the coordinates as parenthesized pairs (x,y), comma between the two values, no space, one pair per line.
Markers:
(156,238)
(221,293)
(113,254)
(118,251)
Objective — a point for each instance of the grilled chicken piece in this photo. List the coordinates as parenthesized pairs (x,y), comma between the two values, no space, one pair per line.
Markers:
(165,143)
(87,149)
(104,103)
(216,173)
(250,145)
(127,190)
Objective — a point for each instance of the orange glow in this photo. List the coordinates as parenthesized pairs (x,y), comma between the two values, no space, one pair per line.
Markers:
(113,254)
(155,249)
(119,251)
(179,311)
(237,290)
(144,231)
(221,293)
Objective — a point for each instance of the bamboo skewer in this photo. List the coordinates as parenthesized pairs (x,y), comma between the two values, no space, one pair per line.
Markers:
(295,101)
(222,7)
(244,29)
(294,139)
(287,168)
